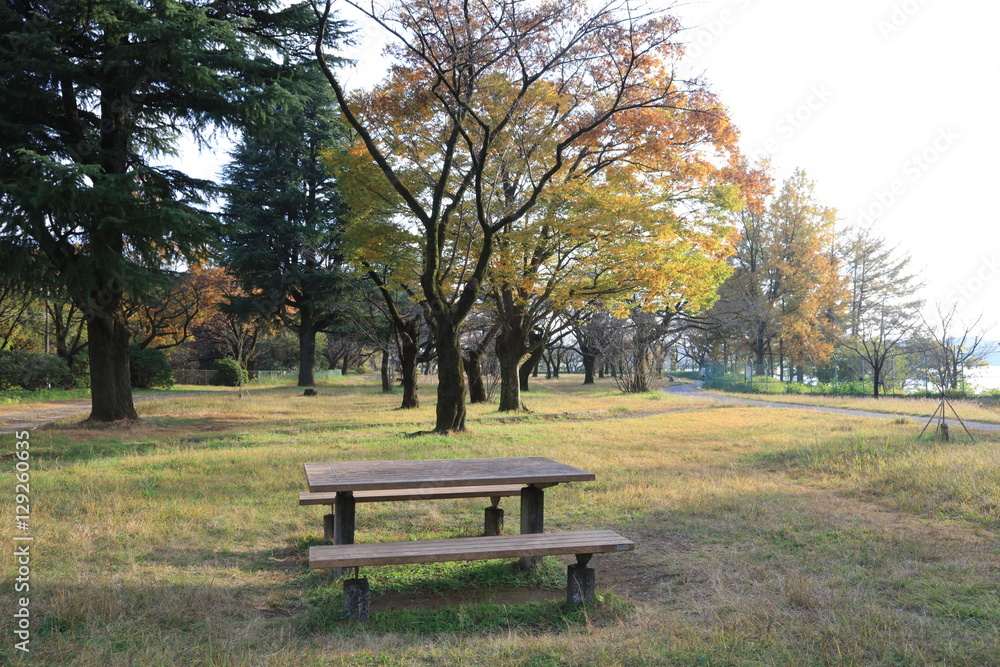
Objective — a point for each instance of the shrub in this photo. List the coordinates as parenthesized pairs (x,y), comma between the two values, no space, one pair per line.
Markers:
(229,373)
(30,370)
(81,375)
(150,368)
(687,375)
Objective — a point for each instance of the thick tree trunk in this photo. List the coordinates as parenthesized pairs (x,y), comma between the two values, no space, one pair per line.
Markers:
(640,371)
(307,353)
(510,349)
(451,379)
(110,373)
(876,378)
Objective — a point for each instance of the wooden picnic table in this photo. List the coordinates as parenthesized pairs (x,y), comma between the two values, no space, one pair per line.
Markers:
(535,472)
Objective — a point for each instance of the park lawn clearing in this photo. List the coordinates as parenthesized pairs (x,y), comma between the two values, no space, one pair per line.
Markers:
(984,409)
(762,537)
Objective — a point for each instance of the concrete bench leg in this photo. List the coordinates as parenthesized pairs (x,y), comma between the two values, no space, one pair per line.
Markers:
(580,581)
(357,599)
(493,525)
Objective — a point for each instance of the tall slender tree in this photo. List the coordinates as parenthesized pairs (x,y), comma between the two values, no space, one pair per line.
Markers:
(283,216)
(95,92)
(883,304)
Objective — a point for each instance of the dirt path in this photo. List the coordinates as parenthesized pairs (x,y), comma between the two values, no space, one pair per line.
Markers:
(41,414)
(694,390)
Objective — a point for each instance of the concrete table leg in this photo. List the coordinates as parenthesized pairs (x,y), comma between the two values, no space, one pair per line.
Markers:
(532,518)
(343,523)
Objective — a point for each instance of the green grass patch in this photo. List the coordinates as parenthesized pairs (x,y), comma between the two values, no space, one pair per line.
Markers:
(325,602)
(19,396)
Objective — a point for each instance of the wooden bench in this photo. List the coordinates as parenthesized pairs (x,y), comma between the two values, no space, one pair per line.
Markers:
(494,515)
(579,580)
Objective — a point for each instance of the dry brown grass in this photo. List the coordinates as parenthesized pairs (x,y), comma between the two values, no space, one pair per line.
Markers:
(763,536)
(972,409)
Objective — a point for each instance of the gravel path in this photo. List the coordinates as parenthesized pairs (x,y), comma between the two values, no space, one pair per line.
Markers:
(694,390)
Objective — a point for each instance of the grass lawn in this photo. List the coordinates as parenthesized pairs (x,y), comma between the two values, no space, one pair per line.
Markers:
(763,537)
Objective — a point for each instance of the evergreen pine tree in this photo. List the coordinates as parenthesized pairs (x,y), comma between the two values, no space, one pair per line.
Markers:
(95,92)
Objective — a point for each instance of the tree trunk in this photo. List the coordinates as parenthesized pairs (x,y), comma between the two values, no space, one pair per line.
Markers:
(533,360)
(110,373)
(589,361)
(876,378)
(473,363)
(640,370)
(451,379)
(307,352)
(384,371)
(510,349)
(474,371)
(344,363)
(760,360)
(408,353)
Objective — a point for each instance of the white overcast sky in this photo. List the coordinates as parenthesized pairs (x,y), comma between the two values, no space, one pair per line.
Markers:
(891,106)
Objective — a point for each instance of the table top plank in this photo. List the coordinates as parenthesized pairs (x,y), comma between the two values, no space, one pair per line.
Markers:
(433,473)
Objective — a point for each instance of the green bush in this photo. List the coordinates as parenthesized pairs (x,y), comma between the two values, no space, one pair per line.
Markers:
(81,375)
(150,368)
(30,370)
(687,375)
(229,373)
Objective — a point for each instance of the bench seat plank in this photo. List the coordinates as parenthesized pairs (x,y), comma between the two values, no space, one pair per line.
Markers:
(468,548)
(429,493)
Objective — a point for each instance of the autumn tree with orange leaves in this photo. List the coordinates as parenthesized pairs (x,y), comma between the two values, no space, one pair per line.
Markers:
(488,105)
(786,296)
